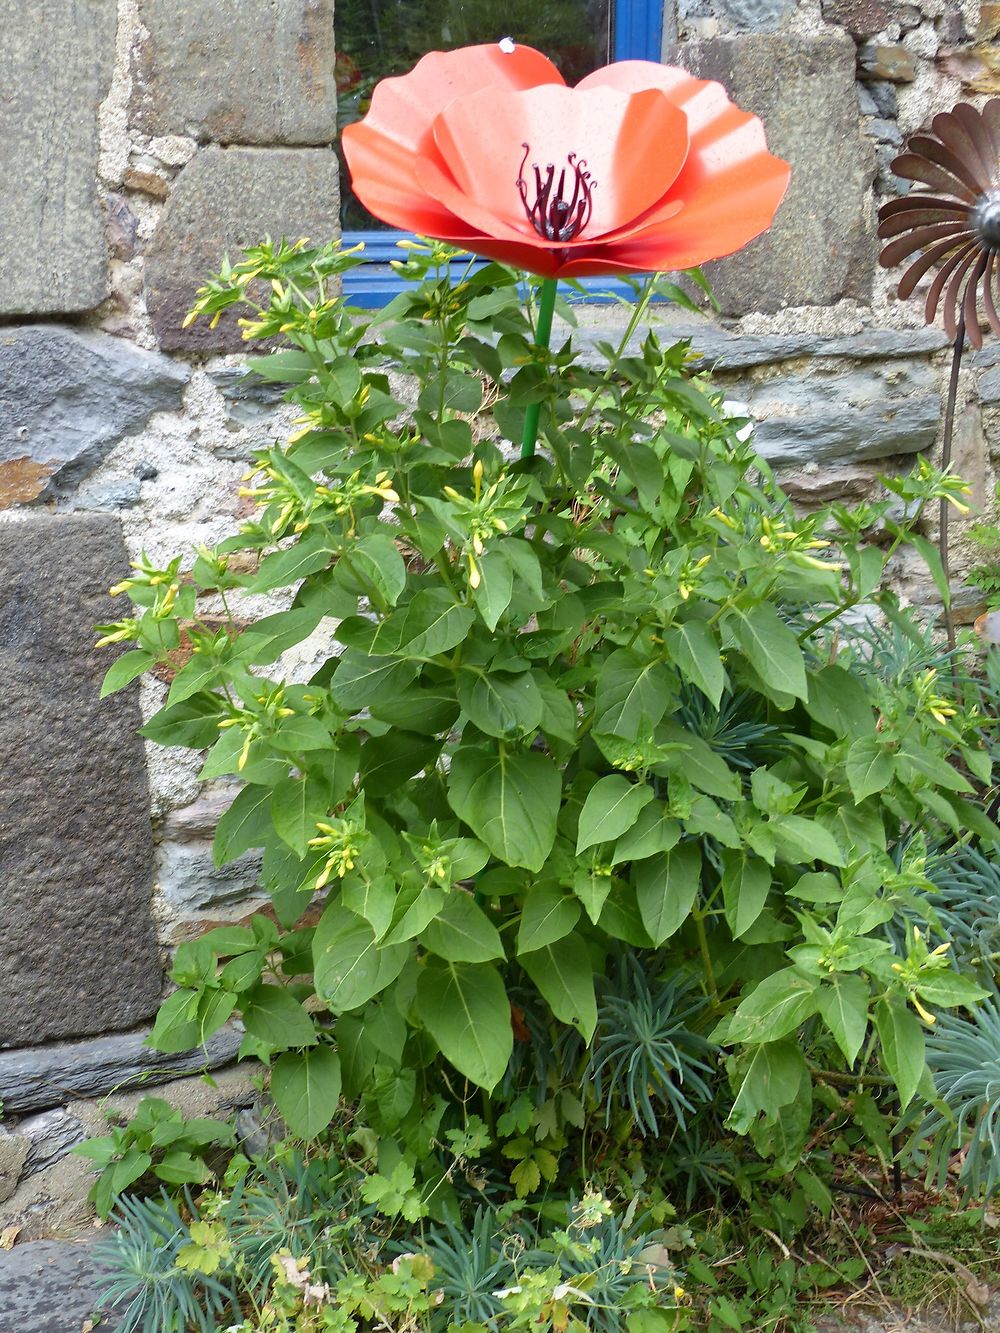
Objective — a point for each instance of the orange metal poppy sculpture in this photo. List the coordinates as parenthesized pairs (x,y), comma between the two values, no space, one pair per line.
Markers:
(639,168)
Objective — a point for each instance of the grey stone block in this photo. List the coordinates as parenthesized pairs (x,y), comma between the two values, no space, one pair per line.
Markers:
(223,201)
(190,881)
(66,397)
(57,65)
(77,943)
(725,349)
(989,386)
(238,73)
(13,1154)
(821,247)
(51,1286)
(52,1134)
(45,1076)
(755,15)
(840,416)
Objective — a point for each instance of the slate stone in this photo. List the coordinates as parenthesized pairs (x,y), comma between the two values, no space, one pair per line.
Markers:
(223,201)
(989,385)
(14,1150)
(821,247)
(190,881)
(838,416)
(894,63)
(726,350)
(754,15)
(58,59)
(51,1134)
(78,951)
(67,396)
(41,1077)
(860,17)
(248,396)
(238,73)
(51,1286)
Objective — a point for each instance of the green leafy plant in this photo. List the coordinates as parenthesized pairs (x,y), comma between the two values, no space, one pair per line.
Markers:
(158,1143)
(598,823)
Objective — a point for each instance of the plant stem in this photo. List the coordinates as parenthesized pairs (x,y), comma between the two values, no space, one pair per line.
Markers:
(949,426)
(706,955)
(543,331)
(637,316)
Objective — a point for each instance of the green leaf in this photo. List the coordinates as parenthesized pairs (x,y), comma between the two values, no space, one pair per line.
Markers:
(465,1008)
(771,648)
(496,585)
(843,1006)
(766,1079)
(501,703)
(387,761)
(947,989)
(612,806)
(839,701)
(296,805)
(350,966)
(547,915)
(273,1016)
(374,899)
(509,800)
(632,694)
(775,1007)
(246,824)
(193,724)
(268,638)
(652,832)
(124,670)
(746,882)
(431,623)
(870,767)
(695,652)
(375,560)
(903,1049)
(306,1088)
(801,839)
(666,888)
(462,933)
(361,681)
(564,975)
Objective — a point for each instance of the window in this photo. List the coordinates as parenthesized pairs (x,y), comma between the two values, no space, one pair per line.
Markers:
(380,37)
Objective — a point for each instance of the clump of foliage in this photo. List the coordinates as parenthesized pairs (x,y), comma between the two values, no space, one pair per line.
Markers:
(613,833)
(160,1144)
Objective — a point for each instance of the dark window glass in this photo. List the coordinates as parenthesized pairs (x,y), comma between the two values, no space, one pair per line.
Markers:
(376,38)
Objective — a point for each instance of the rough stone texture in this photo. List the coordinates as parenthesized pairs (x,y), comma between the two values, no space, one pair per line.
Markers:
(222,201)
(894,63)
(970,458)
(246,72)
(41,1077)
(989,386)
(14,1150)
(76,938)
(57,69)
(52,1134)
(249,397)
(841,416)
(821,247)
(50,1286)
(860,17)
(190,881)
(728,350)
(66,397)
(755,15)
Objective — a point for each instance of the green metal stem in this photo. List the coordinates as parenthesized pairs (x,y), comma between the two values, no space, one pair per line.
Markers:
(543,331)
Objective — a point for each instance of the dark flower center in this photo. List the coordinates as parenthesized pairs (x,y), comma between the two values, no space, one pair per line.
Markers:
(986,219)
(557,209)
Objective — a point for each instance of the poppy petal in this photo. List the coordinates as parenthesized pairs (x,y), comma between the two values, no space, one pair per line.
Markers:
(633,146)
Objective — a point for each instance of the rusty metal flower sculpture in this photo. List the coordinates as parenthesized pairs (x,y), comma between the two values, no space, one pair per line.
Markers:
(952,218)
(951,223)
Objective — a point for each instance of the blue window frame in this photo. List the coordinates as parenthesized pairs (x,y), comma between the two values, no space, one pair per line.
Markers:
(637,35)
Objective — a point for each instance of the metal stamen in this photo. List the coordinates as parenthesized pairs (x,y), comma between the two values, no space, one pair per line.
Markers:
(554,216)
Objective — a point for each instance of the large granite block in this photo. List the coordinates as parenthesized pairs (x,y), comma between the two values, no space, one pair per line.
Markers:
(78,951)
(58,57)
(821,247)
(67,396)
(241,72)
(223,201)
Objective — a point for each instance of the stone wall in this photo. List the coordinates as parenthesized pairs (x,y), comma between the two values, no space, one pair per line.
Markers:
(144,140)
